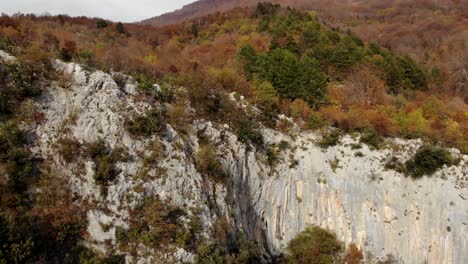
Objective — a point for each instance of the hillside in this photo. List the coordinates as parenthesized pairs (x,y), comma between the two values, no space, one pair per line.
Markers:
(335,9)
(431,32)
(254,135)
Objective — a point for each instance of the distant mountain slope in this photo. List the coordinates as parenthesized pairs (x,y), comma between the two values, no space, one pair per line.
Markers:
(413,27)
(350,9)
(195,9)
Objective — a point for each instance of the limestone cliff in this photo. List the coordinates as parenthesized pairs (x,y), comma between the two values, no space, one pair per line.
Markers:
(351,193)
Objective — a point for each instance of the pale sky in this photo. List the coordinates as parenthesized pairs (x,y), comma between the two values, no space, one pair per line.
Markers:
(116,10)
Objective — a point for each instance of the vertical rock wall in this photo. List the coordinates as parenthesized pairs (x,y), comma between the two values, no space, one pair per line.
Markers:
(382,211)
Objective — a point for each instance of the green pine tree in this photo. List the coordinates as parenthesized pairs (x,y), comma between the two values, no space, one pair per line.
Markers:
(312,82)
(120,28)
(248,57)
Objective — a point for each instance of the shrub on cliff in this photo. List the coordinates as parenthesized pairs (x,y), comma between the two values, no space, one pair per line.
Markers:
(146,125)
(370,137)
(153,223)
(353,255)
(18,81)
(145,83)
(68,148)
(240,251)
(330,139)
(314,245)
(104,160)
(208,163)
(248,132)
(427,160)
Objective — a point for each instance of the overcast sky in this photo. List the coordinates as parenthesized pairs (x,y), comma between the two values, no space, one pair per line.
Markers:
(116,10)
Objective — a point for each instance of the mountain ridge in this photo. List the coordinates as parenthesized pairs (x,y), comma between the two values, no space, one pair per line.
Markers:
(201,8)
(326,8)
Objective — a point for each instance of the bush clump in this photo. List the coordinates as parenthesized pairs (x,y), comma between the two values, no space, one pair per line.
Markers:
(16,160)
(316,122)
(18,81)
(242,250)
(145,83)
(330,139)
(208,163)
(20,168)
(153,223)
(427,160)
(68,148)
(248,132)
(272,155)
(393,163)
(370,137)
(314,245)
(104,159)
(146,125)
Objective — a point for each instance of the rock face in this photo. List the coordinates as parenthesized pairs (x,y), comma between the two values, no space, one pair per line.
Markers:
(343,189)
(422,221)
(93,107)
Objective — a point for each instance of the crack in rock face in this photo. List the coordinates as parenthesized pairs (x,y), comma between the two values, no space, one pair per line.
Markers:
(381,211)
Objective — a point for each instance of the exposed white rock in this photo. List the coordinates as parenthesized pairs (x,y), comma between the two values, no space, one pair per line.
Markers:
(93,108)
(382,211)
(6,57)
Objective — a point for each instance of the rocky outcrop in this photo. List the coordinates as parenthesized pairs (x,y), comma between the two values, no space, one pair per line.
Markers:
(90,107)
(382,211)
(340,188)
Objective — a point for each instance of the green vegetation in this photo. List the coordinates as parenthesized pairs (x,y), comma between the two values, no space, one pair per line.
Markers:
(104,160)
(18,164)
(302,51)
(146,125)
(187,237)
(314,245)
(370,137)
(292,78)
(208,163)
(101,23)
(272,155)
(331,138)
(243,251)
(68,51)
(353,255)
(265,95)
(248,132)
(119,27)
(401,72)
(316,122)
(394,164)
(145,83)
(427,160)
(55,227)
(68,148)
(153,223)
(37,226)
(248,58)
(19,81)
